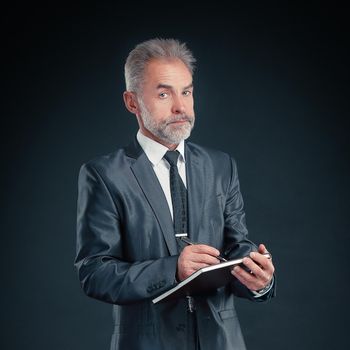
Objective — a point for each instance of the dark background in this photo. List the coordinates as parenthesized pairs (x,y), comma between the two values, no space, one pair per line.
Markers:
(271,89)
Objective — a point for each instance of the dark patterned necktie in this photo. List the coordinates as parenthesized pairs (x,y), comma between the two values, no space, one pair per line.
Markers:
(178,194)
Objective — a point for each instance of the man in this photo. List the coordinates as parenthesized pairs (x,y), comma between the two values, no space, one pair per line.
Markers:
(135,203)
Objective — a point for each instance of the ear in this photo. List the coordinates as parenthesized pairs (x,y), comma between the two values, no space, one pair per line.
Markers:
(131,102)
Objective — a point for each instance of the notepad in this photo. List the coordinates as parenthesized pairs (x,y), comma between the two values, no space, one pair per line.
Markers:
(202,281)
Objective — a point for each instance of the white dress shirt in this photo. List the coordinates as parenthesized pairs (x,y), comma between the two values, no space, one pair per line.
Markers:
(155,153)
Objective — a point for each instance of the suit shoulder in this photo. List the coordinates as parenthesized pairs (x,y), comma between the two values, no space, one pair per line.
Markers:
(213,154)
(113,161)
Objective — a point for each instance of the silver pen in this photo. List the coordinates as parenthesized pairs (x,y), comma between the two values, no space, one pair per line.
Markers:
(189,242)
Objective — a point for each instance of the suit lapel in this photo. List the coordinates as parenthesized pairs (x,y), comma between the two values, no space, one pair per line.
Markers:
(147,179)
(195,191)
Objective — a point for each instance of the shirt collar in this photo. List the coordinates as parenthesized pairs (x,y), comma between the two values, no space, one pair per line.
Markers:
(156,151)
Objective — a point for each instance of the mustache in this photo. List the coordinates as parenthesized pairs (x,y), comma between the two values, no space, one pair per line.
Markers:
(178,118)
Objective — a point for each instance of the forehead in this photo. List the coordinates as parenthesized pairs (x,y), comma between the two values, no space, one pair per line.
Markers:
(167,71)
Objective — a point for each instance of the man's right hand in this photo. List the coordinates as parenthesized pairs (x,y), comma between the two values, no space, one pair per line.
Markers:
(195,257)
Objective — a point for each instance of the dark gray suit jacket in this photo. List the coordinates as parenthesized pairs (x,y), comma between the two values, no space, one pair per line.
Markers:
(127,254)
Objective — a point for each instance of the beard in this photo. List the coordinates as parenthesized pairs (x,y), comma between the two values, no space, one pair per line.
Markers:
(167,130)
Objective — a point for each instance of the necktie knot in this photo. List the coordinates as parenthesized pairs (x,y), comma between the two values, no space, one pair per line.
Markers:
(172,157)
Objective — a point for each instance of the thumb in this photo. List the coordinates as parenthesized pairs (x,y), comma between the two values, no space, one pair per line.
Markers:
(262,249)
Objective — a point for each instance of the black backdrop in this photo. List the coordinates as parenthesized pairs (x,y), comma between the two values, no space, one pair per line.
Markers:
(271,89)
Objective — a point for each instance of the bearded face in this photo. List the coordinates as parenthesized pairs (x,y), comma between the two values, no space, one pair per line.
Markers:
(171,129)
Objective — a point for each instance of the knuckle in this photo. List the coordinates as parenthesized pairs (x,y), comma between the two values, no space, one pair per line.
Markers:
(267,277)
(213,261)
(260,285)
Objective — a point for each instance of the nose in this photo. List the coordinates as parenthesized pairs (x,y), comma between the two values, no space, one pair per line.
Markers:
(178,106)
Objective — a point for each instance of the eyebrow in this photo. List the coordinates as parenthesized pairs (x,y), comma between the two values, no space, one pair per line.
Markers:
(166,86)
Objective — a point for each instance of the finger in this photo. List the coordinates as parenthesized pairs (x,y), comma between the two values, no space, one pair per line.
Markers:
(261,259)
(197,266)
(203,258)
(235,272)
(203,249)
(255,269)
(262,249)
(244,277)
(262,269)
(244,274)
(249,280)
(191,268)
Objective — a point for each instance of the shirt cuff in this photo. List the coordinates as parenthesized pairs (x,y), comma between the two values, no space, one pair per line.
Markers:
(261,292)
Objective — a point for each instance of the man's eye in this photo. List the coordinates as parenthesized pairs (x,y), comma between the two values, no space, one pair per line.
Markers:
(187,93)
(163,95)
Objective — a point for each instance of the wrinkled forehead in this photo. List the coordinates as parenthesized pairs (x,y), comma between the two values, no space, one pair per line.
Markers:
(170,71)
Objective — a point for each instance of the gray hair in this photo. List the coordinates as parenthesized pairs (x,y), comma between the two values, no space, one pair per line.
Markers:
(153,49)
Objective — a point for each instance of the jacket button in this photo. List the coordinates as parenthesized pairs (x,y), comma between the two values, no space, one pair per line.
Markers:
(180,327)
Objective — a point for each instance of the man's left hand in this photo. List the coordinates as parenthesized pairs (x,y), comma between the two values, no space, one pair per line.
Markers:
(261,270)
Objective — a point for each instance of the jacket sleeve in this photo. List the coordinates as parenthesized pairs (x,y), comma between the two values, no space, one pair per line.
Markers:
(237,244)
(103,272)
